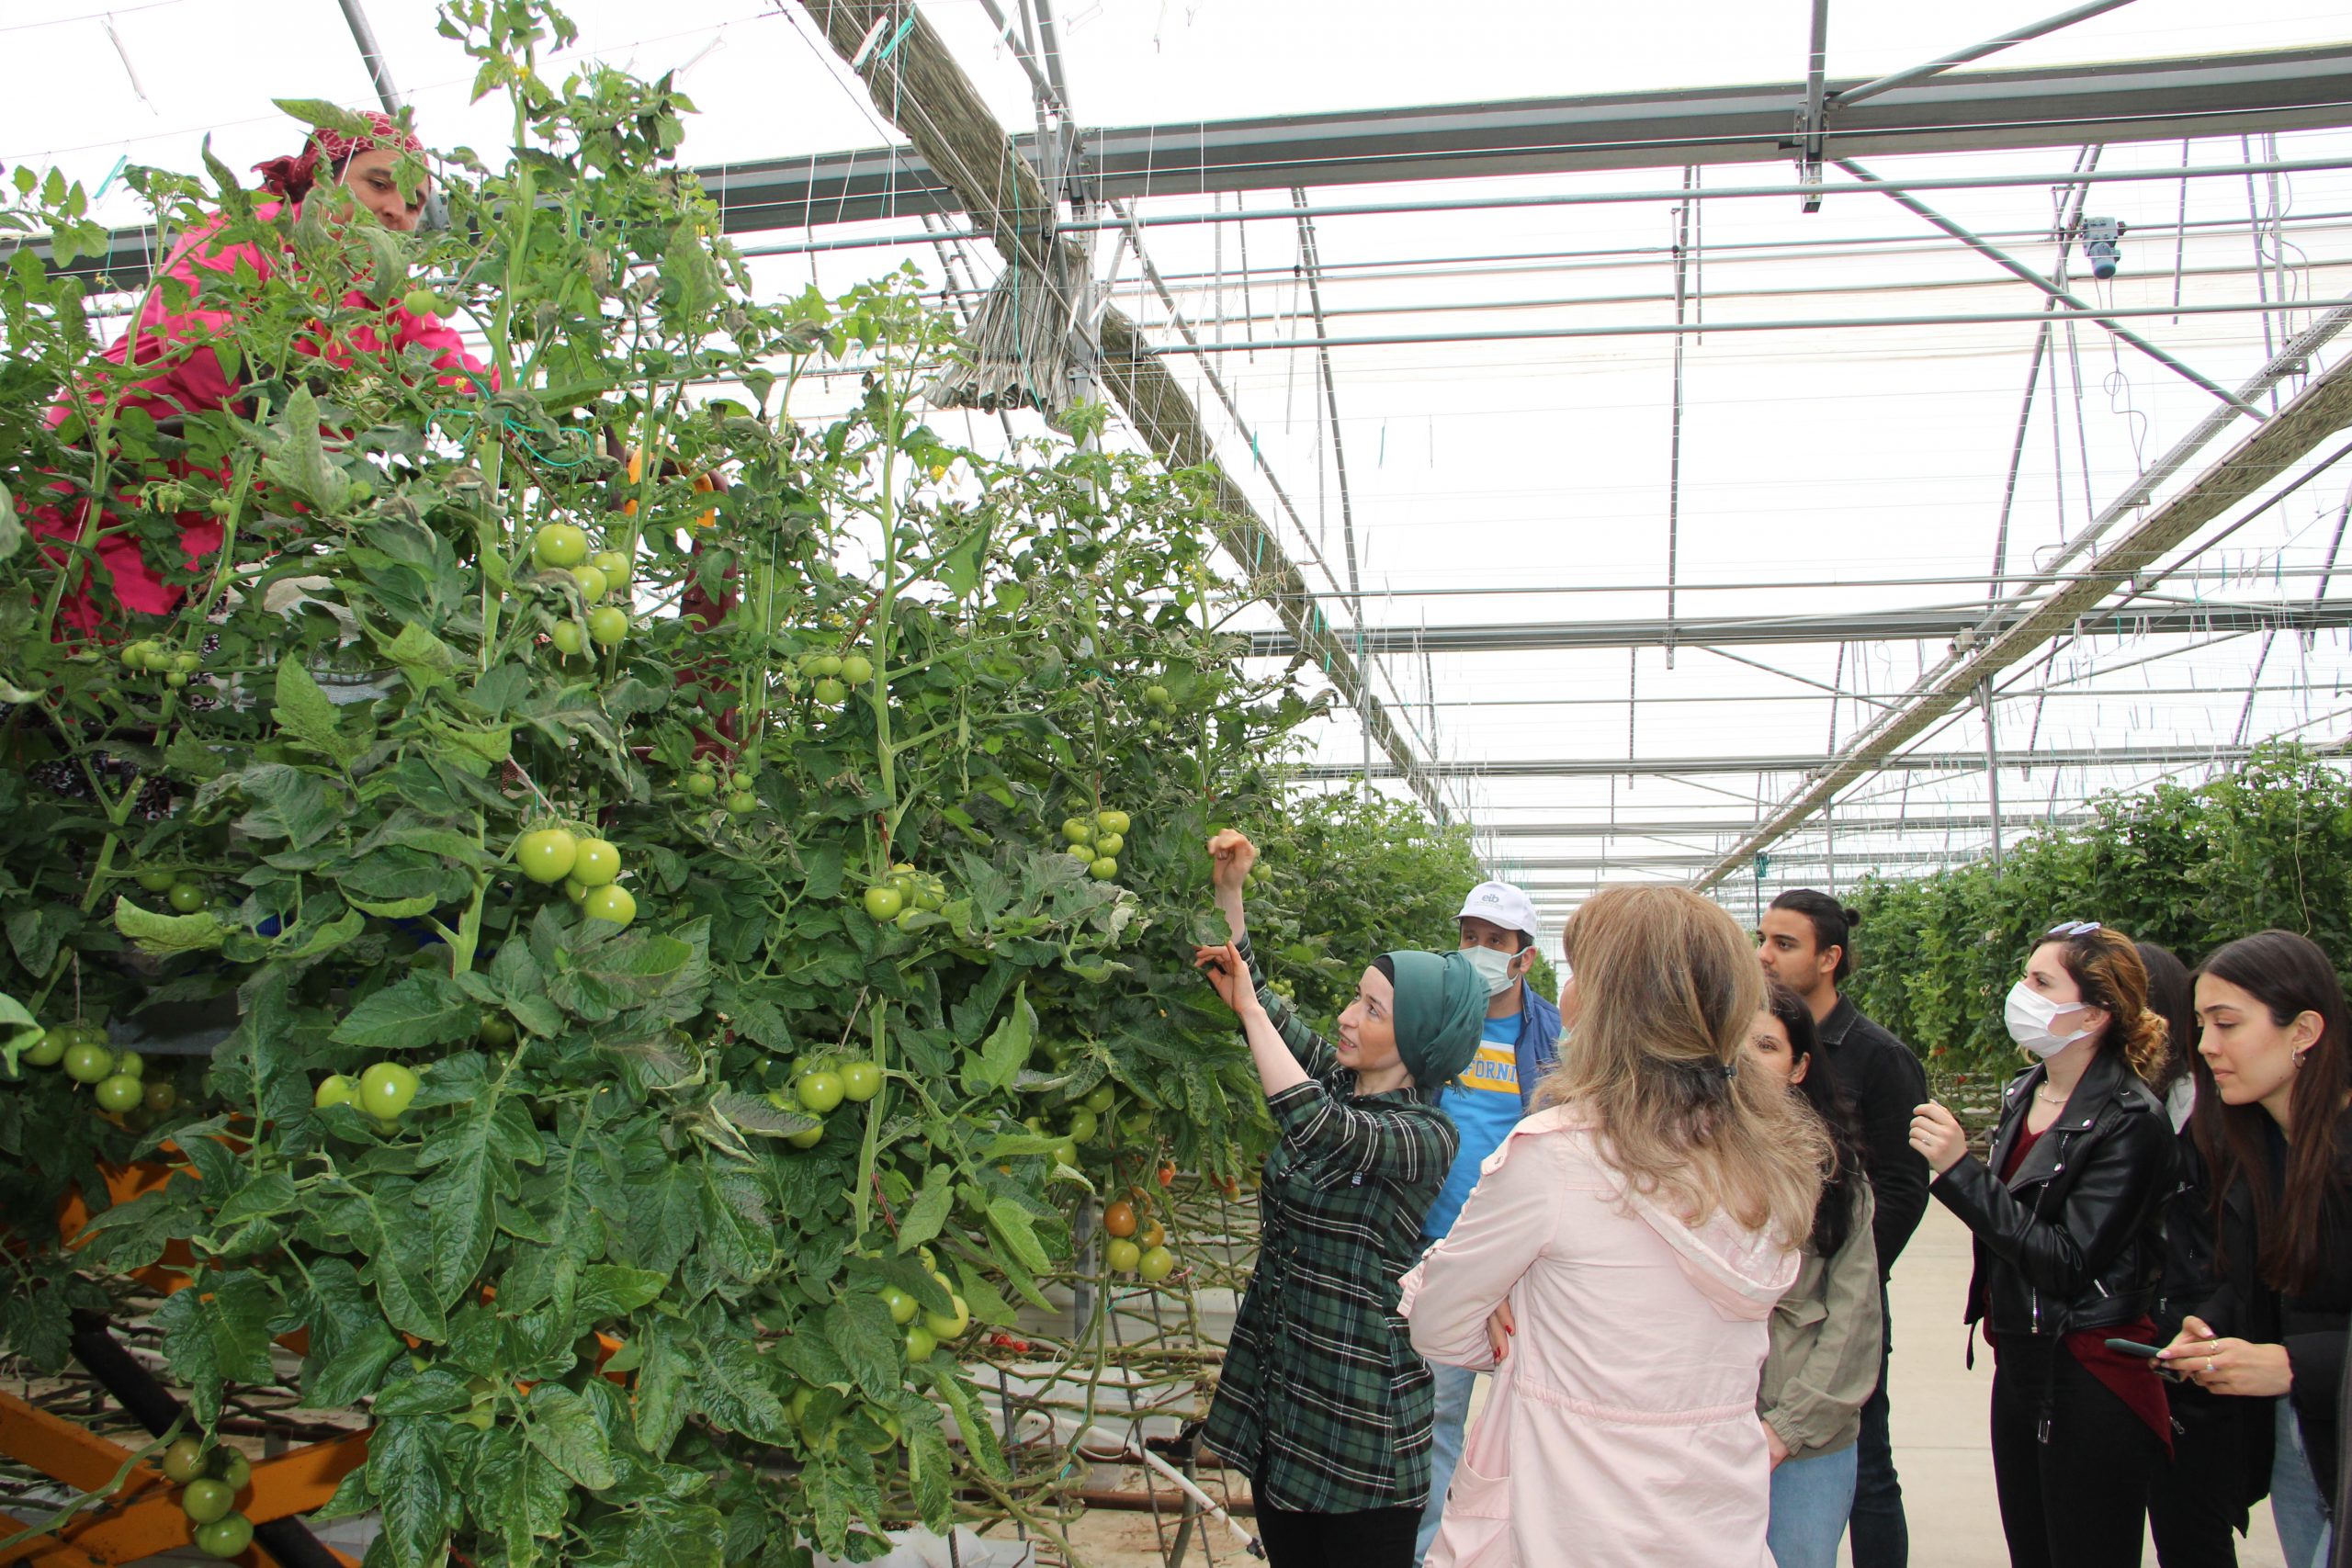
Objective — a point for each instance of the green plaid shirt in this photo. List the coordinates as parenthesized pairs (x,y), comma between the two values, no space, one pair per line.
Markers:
(1323,1399)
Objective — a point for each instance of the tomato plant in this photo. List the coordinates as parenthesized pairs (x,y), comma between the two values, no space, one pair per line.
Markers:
(532,1046)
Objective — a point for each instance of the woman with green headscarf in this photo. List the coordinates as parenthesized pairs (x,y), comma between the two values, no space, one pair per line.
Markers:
(1323,1400)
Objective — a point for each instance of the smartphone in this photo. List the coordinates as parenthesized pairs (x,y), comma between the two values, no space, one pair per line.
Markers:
(2147,1353)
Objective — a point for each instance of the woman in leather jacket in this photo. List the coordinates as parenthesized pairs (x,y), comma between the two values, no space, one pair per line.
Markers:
(2274,1076)
(2069,1251)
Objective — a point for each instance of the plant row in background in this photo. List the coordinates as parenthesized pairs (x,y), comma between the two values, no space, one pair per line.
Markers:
(2190,868)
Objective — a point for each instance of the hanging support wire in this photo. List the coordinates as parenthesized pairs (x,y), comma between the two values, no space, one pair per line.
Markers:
(2009,264)
(1312,261)
(1674,436)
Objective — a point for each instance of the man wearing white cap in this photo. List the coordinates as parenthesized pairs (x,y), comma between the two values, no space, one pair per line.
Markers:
(1522,1036)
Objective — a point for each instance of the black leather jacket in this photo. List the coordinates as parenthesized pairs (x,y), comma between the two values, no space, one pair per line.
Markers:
(2074,1240)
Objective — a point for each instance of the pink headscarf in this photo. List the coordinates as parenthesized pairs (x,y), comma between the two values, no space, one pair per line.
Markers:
(293,176)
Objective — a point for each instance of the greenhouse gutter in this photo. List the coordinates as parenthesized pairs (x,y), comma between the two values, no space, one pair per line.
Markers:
(2323,407)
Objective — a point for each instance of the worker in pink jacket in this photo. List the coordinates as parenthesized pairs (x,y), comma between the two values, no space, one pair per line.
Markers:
(1618,1262)
(193,312)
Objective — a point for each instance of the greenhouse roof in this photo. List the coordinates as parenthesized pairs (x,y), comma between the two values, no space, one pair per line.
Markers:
(1679,499)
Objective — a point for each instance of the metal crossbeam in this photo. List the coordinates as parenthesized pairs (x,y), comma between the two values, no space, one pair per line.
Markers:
(2062,106)
(1862,626)
(1687,827)
(2122,757)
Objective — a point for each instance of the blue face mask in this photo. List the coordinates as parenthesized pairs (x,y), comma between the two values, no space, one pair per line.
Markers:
(1493,967)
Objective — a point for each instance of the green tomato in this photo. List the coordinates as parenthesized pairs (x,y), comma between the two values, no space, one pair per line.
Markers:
(156,881)
(1101,1100)
(130,1065)
(575,889)
(1066,1152)
(821,1091)
(808,1140)
(742,803)
(949,1325)
(186,897)
(235,1471)
(1123,1255)
(422,301)
(183,1462)
(1157,696)
(1112,821)
(205,1501)
(1075,831)
(497,1030)
(614,565)
(907,920)
(856,670)
(861,1081)
(612,903)
(921,1343)
(225,1538)
(385,1090)
(608,624)
(596,863)
(161,1097)
(546,854)
(1082,853)
(118,1092)
(1109,843)
(830,693)
(558,546)
(1103,870)
(334,1090)
(884,903)
(175,682)
(702,787)
(828,665)
(88,1062)
(570,638)
(590,582)
(1083,1125)
(903,1305)
(1156,1264)
(50,1049)
(186,663)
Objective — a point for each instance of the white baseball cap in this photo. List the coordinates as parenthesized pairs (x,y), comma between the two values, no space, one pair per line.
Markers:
(1499,903)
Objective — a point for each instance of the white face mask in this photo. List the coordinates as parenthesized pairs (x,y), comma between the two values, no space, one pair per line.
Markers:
(1494,966)
(2028,1014)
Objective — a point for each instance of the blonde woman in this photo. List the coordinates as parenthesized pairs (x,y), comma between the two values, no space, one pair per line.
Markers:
(1628,1243)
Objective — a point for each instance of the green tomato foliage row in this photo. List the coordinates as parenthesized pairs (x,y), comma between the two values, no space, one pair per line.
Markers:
(610,1292)
(2268,844)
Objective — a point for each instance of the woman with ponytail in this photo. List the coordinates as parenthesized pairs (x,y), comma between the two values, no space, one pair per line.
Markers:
(373,166)
(2069,1251)
(2273,1082)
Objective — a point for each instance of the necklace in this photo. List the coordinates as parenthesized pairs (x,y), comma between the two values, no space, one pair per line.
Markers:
(2041,1093)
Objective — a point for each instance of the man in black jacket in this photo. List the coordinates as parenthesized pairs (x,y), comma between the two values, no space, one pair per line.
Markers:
(1806,942)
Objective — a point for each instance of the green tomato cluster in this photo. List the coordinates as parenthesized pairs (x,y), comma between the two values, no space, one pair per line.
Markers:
(382,1091)
(562,549)
(210,1483)
(903,894)
(819,1086)
(588,868)
(1096,841)
(150,656)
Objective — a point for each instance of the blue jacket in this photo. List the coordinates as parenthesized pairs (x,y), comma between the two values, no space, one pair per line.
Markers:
(1538,1040)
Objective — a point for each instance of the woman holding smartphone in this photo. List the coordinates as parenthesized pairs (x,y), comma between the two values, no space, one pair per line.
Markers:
(2273,1072)
(2069,1251)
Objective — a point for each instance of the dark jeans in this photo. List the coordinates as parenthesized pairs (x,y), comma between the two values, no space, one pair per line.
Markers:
(1877,1532)
(2080,1499)
(1375,1538)
(2189,1515)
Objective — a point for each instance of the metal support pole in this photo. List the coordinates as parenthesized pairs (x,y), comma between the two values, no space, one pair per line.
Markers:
(1674,438)
(1809,120)
(1973,52)
(2009,264)
(1992,769)
(378,72)
(1311,259)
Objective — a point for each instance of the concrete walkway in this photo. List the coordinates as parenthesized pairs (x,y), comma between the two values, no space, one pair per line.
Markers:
(1941,1450)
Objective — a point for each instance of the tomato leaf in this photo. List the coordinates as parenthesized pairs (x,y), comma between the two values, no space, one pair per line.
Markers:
(929,1209)
(561,1426)
(306,716)
(732,1389)
(1007,1051)
(737,1229)
(425,1008)
(407,1476)
(217,1331)
(167,934)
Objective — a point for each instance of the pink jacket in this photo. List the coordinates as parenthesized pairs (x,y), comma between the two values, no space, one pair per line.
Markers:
(1621,1428)
(189,378)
